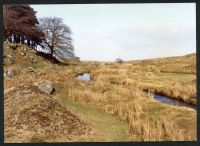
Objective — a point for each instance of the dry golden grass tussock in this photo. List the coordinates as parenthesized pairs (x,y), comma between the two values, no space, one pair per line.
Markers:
(104,71)
(129,83)
(117,80)
(159,130)
(85,96)
(101,87)
(125,110)
(145,128)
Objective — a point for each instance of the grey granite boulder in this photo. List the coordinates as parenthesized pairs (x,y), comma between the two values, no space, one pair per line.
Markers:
(46,87)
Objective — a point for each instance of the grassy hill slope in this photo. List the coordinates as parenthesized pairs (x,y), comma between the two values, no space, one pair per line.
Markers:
(76,107)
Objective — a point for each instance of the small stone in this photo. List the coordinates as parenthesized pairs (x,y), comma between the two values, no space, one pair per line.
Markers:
(14,46)
(10,73)
(34,72)
(27,91)
(40,73)
(33,61)
(22,54)
(30,69)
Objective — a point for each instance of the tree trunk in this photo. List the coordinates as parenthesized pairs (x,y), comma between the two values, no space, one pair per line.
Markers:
(51,51)
(17,39)
(9,38)
(28,42)
(22,39)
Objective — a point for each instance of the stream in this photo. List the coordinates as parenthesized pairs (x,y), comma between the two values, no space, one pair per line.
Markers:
(158,97)
(168,100)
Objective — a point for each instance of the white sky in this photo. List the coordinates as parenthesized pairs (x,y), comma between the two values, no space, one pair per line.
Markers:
(105,32)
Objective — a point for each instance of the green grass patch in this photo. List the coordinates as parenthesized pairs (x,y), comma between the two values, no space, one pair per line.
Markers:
(110,127)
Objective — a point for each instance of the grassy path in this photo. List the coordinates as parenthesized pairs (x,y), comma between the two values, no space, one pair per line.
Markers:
(110,128)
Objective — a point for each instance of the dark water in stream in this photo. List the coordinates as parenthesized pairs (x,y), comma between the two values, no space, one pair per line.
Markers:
(161,98)
(168,100)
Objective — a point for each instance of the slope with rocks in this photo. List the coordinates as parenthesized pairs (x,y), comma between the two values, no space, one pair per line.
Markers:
(30,113)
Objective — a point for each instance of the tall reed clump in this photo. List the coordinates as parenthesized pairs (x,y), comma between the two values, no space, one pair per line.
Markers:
(145,128)
(125,110)
(85,96)
(160,129)
(101,87)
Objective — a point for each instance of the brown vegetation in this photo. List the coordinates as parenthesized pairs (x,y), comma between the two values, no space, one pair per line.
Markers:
(20,25)
(117,89)
(32,116)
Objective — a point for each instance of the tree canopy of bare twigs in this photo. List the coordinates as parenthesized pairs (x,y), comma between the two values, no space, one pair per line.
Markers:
(20,25)
(57,42)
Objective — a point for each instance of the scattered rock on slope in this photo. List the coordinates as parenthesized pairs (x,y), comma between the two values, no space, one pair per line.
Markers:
(34,72)
(9,73)
(9,59)
(13,46)
(18,53)
(45,86)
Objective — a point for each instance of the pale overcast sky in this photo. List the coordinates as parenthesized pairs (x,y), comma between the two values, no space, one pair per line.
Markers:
(105,32)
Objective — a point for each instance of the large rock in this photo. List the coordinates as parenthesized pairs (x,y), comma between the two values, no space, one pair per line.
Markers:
(46,86)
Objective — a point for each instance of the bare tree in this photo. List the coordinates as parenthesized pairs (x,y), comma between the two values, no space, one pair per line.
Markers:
(57,42)
(119,60)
